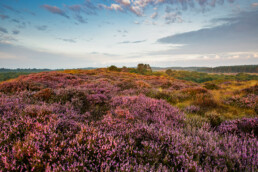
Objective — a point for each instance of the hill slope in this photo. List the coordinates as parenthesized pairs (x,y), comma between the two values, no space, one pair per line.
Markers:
(93,120)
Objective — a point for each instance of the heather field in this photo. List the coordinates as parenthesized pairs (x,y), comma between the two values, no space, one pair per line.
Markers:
(114,120)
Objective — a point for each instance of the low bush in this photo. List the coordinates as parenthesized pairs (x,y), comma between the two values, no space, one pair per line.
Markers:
(211,86)
(239,126)
(114,68)
(205,101)
(214,118)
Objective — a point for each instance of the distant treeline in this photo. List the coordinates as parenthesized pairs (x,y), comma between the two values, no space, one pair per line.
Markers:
(34,70)
(201,77)
(231,69)
(220,69)
(6,74)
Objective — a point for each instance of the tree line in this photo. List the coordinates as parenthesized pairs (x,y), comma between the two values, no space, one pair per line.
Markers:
(231,69)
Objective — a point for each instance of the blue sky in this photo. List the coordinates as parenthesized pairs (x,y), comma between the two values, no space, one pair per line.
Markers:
(95,33)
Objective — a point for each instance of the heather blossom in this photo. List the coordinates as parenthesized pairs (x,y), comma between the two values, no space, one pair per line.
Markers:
(92,122)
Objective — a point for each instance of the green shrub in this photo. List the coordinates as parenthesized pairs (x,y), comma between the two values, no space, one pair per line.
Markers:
(114,68)
(205,101)
(214,118)
(211,86)
(196,121)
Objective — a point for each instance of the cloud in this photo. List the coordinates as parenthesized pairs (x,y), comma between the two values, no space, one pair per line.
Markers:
(75,8)
(173,17)
(154,15)
(10,8)
(25,57)
(136,10)
(22,25)
(87,7)
(195,4)
(29,12)
(80,19)
(7,39)
(15,21)
(13,56)
(124,2)
(3,30)
(138,6)
(55,10)
(237,34)
(41,28)
(132,42)
(115,7)
(101,53)
(122,31)
(3,17)
(16,32)
(79,10)
(255,4)
(67,40)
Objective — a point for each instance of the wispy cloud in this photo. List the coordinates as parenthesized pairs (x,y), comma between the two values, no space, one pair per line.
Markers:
(15,21)
(29,12)
(154,15)
(173,17)
(5,39)
(122,31)
(41,28)
(87,7)
(115,7)
(3,17)
(80,19)
(132,42)
(10,8)
(55,10)
(3,30)
(255,4)
(16,32)
(75,8)
(67,40)
(124,2)
(138,6)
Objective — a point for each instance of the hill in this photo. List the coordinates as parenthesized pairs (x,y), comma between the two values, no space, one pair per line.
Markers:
(96,120)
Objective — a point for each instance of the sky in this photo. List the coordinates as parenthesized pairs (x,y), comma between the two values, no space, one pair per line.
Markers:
(99,33)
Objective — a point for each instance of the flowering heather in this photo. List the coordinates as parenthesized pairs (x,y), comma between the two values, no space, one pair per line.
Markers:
(244,125)
(91,121)
(192,109)
(248,101)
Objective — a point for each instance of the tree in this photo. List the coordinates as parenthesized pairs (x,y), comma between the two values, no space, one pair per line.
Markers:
(169,72)
(114,68)
(144,68)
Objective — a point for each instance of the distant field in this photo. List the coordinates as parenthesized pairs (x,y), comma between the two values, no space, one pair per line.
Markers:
(164,70)
(233,73)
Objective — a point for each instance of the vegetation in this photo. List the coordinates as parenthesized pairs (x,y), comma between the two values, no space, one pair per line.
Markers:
(231,69)
(6,74)
(204,77)
(220,69)
(115,120)
(114,68)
